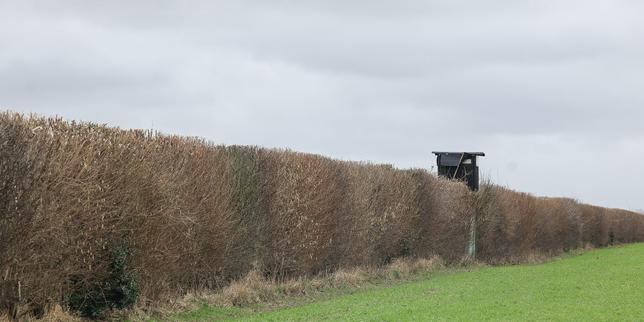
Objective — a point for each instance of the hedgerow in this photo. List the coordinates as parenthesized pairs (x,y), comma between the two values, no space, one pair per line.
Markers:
(197,215)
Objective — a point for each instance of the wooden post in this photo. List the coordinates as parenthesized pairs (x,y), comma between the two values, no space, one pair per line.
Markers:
(471,247)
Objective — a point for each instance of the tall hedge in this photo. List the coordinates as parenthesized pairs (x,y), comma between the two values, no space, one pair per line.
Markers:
(192,215)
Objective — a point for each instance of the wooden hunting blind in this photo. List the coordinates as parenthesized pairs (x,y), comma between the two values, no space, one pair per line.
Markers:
(459,166)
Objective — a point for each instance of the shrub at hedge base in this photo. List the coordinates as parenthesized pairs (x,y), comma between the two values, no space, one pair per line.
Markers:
(117,290)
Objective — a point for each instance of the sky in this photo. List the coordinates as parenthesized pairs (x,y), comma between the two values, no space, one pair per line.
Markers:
(551,91)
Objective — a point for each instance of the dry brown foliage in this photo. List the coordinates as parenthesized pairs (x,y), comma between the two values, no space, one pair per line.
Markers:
(197,216)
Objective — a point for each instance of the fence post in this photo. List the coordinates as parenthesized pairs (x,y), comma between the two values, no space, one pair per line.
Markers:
(471,247)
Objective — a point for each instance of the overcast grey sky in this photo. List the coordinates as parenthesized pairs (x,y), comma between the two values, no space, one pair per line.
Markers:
(552,91)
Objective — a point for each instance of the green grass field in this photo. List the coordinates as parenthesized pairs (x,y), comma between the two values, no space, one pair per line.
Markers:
(605,284)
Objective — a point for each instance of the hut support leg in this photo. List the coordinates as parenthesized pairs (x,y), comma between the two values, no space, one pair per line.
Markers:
(471,247)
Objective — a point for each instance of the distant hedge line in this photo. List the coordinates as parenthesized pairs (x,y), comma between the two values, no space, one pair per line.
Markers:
(188,214)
